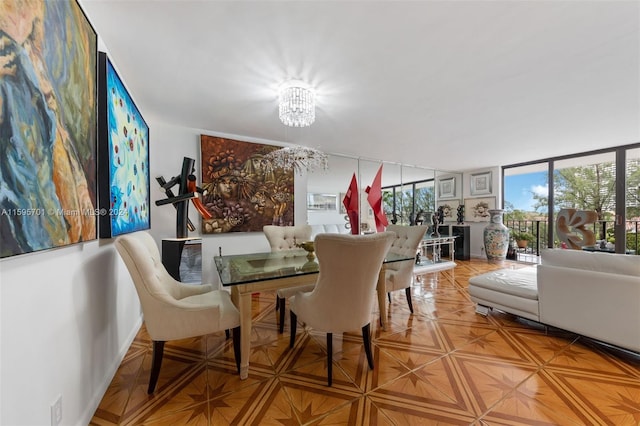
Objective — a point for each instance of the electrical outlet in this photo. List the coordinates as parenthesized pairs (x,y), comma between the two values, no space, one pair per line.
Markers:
(56,412)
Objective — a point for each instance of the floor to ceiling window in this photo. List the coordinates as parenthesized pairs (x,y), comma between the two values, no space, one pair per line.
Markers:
(632,207)
(597,181)
(526,193)
(410,202)
(588,183)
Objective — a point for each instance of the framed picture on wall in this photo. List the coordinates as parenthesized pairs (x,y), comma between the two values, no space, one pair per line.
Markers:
(449,210)
(477,209)
(447,187)
(48,116)
(123,161)
(245,190)
(327,202)
(481,183)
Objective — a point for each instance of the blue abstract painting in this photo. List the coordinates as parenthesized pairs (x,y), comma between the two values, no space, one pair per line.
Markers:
(124,158)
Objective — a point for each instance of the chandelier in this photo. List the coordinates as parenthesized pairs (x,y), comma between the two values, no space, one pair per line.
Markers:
(298,158)
(297,105)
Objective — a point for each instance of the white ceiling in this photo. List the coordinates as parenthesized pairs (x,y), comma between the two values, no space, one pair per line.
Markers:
(453,85)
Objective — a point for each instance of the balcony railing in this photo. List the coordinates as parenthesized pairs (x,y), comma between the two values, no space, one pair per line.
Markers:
(539,230)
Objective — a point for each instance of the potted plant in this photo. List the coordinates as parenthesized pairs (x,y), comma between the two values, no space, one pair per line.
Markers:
(522,238)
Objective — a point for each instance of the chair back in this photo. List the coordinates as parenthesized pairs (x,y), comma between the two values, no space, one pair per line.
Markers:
(407,238)
(155,287)
(285,237)
(399,275)
(345,290)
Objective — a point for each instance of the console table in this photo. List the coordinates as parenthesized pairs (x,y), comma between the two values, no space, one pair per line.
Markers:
(431,258)
(463,240)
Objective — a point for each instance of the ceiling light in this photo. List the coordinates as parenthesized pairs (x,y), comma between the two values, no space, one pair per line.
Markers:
(297,104)
(298,158)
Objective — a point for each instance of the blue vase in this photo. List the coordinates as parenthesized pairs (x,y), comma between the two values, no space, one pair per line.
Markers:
(496,237)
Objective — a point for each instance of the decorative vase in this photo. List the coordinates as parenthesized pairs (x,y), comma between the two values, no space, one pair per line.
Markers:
(496,237)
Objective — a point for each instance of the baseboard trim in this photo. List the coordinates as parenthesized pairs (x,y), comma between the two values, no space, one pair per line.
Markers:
(87,415)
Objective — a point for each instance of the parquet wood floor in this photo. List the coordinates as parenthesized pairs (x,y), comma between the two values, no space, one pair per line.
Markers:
(443,365)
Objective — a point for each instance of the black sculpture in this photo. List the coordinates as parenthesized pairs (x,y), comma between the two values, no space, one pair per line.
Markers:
(394,217)
(441,214)
(435,219)
(460,214)
(187,191)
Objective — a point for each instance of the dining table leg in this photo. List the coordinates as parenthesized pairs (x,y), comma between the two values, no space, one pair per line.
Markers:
(243,303)
(381,289)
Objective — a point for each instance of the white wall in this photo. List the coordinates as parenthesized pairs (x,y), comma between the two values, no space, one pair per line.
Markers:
(68,316)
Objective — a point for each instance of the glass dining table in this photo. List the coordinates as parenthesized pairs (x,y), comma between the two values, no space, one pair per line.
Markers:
(249,273)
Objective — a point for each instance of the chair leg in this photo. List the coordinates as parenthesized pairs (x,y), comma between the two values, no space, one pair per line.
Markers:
(329,358)
(294,323)
(408,292)
(389,297)
(156,363)
(366,338)
(226,333)
(281,304)
(236,346)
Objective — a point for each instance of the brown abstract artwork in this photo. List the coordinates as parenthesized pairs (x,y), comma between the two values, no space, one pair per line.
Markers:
(243,191)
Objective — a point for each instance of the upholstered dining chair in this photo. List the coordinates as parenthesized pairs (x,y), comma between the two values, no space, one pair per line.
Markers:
(173,310)
(344,293)
(399,275)
(283,238)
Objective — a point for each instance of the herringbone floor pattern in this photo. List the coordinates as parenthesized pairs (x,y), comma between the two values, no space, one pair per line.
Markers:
(443,365)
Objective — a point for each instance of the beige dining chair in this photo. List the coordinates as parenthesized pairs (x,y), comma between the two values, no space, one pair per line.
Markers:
(399,275)
(284,238)
(345,291)
(173,310)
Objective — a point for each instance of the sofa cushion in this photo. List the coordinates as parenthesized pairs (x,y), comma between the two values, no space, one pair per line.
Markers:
(592,261)
(332,228)
(517,282)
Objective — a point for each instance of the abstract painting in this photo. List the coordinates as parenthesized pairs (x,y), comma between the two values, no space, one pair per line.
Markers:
(123,162)
(47,126)
(244,191)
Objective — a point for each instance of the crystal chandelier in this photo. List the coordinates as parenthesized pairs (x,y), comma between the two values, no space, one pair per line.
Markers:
(297,105)
(298,158)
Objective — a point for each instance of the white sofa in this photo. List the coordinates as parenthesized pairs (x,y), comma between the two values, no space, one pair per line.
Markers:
(331,228)
(593,294)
